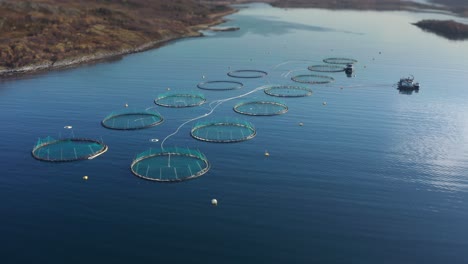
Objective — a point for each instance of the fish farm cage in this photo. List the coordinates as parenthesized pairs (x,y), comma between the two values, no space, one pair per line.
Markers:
(170,164)
(288,91)
(220,85)
(247,74)
(67,149)
(129,119)
(180,100)
(326,68)
(312,79)
(223,131)
(343,61)
(261,108)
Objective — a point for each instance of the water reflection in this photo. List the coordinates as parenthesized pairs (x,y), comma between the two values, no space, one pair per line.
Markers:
(434,145)
(248,24)
(408,92)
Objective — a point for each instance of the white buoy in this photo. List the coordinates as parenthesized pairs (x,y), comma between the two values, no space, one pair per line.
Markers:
(324,103)
(126,105)
(154,140)
(85,178)
(214,202)
(301,124)
(267,154)
(68,127)
(168,88)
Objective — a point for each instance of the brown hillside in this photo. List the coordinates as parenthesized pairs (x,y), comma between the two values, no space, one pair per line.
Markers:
(46,31)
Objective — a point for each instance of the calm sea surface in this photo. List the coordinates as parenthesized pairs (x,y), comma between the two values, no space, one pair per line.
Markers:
(373,176)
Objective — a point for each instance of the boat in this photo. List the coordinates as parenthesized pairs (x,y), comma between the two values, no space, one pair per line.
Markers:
(349,68)
(407,83)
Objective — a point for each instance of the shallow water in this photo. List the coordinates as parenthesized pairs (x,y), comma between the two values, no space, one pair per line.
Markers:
(373,176)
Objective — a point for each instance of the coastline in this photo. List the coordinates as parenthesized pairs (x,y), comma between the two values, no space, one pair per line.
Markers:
(193,31)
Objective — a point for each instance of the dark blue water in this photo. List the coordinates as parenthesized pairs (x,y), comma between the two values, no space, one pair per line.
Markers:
(373,176)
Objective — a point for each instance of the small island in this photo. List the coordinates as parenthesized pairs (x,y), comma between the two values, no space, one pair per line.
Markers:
(446,28)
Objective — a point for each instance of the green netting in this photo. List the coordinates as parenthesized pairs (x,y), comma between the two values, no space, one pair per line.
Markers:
(312,79)
(223,131)
(340,61)
(69,149)
(261,108)
(178,100)
(288,91)
(131,119)
(170,164)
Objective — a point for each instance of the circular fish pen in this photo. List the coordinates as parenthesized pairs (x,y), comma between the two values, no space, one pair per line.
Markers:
(170,164)
(326,68)
(220,85)
(180,100)
(261,108)
(312,79)
(68,149)
(247,74)
(132,119)
(288,91)
(343,61)
(223,131)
